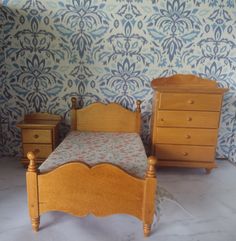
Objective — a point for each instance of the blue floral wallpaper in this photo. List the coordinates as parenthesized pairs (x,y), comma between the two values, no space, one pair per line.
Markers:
(110,50)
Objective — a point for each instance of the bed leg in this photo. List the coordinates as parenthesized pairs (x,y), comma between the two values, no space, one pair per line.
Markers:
(32,191)
(146,229)
(149,195)
(35,223)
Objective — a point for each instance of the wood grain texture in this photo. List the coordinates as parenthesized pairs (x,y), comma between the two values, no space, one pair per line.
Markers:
(102,190)
(185,122)
(106,117)
(39,131)
(186,83)
(32,191)
(185,152)
(36,136)
(190,101)
(187,164)
(197,119)
(189,136)
(43,149)
(42,116)
(149,195)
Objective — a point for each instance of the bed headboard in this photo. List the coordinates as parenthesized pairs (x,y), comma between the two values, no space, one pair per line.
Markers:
(105,117)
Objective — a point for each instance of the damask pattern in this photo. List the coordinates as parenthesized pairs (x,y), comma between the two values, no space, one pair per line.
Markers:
(110,51)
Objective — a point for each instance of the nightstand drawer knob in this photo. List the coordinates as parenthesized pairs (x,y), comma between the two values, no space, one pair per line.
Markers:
(189,119)
(190,102)
(188,136)
(36,136)
(185,153)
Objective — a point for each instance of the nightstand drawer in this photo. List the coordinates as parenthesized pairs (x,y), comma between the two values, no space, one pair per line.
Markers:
(186,136)
(188,119)
(44,149)
(180,101)
(36,136)
(185,153)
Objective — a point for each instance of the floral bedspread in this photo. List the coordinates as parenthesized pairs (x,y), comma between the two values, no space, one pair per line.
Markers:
(122,149)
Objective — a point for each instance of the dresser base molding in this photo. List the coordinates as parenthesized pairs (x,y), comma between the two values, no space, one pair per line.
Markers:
(208,166)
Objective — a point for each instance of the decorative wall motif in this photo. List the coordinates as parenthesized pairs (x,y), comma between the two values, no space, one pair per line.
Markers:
(110,50)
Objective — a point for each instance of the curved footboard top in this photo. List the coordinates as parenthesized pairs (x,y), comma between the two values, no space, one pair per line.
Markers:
(101,190)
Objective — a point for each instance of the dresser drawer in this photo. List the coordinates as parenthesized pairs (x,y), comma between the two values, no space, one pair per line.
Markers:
(186,136)
(198,119)
(44,149)
(185,153)
(180,101)
(36,136)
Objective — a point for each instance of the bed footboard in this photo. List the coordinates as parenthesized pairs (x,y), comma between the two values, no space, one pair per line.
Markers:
(101,190)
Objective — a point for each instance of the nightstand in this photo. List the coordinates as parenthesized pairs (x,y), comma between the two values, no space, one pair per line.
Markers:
(39,133)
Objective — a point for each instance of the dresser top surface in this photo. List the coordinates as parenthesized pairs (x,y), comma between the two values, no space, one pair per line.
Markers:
(186,83)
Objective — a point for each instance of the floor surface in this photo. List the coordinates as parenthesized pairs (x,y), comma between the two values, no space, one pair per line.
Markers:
(194,207)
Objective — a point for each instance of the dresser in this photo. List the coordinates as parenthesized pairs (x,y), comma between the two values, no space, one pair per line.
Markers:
(39,133)
(185,121)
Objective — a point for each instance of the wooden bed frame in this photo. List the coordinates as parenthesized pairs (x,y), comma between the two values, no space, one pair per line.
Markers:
(103,189)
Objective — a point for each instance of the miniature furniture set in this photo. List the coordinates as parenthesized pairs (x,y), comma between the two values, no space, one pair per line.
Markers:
(101,166)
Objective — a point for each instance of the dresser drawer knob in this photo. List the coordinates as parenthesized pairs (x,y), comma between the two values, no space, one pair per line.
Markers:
(36,136)
(36,151)
(190,102)
(162,119)
(188,136)
(185,153)
(189,119)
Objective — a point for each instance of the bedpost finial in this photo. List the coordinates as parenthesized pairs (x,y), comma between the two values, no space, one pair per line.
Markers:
(73,100)
(32,165)
(138,103)
(151,172)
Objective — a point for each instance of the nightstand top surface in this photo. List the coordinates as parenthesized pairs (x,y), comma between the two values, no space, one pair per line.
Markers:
(40,120)
(38,123)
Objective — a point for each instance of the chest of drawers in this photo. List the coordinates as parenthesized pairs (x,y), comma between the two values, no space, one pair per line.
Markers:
(39,133)
(185,121)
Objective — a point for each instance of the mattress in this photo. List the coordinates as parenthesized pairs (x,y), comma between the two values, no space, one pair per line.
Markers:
(125,150)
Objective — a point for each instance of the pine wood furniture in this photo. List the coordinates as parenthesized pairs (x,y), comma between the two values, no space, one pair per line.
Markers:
(39,133)
(185,121)
(103,189)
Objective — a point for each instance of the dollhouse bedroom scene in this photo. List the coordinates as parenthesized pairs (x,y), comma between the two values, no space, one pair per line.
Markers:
(117,120)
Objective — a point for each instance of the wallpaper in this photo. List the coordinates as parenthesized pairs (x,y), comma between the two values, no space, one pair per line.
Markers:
(109,51)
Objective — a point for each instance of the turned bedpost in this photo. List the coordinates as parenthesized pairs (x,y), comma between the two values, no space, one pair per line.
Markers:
(150,188)
(32,191)
(138,106)
(138,115)
(73,113)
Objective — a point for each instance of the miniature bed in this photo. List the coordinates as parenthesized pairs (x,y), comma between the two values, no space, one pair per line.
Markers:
(100,168)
